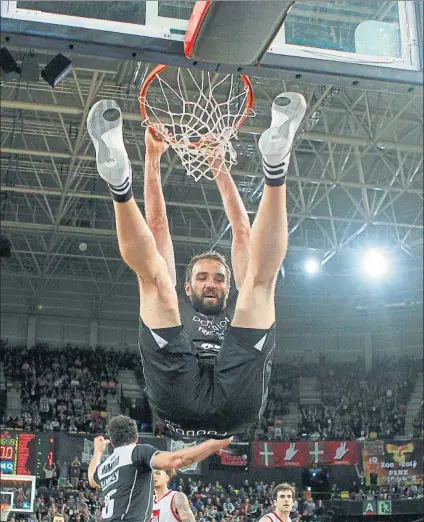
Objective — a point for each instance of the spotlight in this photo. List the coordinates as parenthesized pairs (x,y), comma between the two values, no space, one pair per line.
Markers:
(56,70)
(312,266)
(7,62)
(375,263)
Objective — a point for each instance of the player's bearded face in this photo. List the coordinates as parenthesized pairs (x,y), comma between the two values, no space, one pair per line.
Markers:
(210,303)
(208,289)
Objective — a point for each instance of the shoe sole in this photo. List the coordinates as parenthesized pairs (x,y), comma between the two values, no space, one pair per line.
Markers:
(103,118)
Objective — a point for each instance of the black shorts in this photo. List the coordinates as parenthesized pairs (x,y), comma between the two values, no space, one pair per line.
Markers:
(211,401)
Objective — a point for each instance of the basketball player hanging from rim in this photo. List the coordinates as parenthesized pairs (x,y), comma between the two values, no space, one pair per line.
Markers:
(193,398)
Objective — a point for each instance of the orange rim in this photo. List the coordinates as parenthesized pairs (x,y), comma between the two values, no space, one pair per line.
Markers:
(160,68)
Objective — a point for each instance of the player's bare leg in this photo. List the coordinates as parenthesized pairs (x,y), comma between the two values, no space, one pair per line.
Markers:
(159,306)
(269,237)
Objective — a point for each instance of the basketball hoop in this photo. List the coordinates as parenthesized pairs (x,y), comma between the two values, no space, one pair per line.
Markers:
(5,509)
(195,112)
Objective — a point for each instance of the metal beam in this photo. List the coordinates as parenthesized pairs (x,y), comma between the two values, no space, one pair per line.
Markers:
(42,228)
(235,172)
(245,129)
(80,232)
(181,204)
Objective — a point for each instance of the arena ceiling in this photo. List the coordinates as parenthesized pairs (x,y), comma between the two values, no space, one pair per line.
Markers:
(356,181)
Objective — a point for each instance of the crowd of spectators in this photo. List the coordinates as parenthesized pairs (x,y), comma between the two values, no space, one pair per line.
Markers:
(355,403)
(351,403)
(67,389)
(393,491)
(63,389)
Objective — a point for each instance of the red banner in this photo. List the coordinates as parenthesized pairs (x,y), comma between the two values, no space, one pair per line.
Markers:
(306,454)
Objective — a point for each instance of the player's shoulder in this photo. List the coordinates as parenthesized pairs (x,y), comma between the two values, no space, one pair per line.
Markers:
(143,454)
(179,500)
(179,495)
(266,518)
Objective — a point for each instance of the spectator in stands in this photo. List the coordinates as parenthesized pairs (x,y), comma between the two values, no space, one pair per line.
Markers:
(75,472)
(49,472)
(418,422)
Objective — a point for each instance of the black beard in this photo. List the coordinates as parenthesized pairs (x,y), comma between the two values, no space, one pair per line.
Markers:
(199,305)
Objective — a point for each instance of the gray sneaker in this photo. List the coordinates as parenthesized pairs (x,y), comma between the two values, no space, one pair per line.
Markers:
(104,124)
(275,144)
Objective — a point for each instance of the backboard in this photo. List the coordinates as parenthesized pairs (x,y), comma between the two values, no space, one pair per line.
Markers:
(375,40)
(19,492)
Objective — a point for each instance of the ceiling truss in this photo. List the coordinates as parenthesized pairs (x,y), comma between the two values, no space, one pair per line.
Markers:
(356,179)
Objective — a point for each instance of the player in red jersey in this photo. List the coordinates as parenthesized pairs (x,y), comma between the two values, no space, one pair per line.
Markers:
(168,505)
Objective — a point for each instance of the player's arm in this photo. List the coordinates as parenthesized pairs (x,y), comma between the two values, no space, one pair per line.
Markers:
(183,508)
(154,201)
(186,457)
(100,445)
(237,216)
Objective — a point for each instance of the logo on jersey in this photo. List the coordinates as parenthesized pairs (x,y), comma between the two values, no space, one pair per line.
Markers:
(110,480)
(208,328)
(155,515)
(109,466)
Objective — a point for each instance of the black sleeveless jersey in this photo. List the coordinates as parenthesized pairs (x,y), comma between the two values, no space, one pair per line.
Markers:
(206,331)
(126,479)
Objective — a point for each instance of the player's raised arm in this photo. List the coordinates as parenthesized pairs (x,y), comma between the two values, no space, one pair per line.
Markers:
(185,457)
(154,200)
(100,445)
(182,505)
(237,216)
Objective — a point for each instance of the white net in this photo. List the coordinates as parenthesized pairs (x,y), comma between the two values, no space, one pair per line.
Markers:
(198,113)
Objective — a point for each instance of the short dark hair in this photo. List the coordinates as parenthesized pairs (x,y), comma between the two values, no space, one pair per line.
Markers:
(213,255)
(170,473)
(122,431)
(283,487)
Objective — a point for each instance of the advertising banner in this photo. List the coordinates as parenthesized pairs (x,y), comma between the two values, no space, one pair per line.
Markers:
(393,462)
(306,454)
(234,458)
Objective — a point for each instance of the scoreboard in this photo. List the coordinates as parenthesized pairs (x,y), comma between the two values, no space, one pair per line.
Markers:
(9,452)
(25,453)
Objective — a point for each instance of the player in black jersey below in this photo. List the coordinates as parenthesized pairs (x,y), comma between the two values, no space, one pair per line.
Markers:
(177,337)
(126,476)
